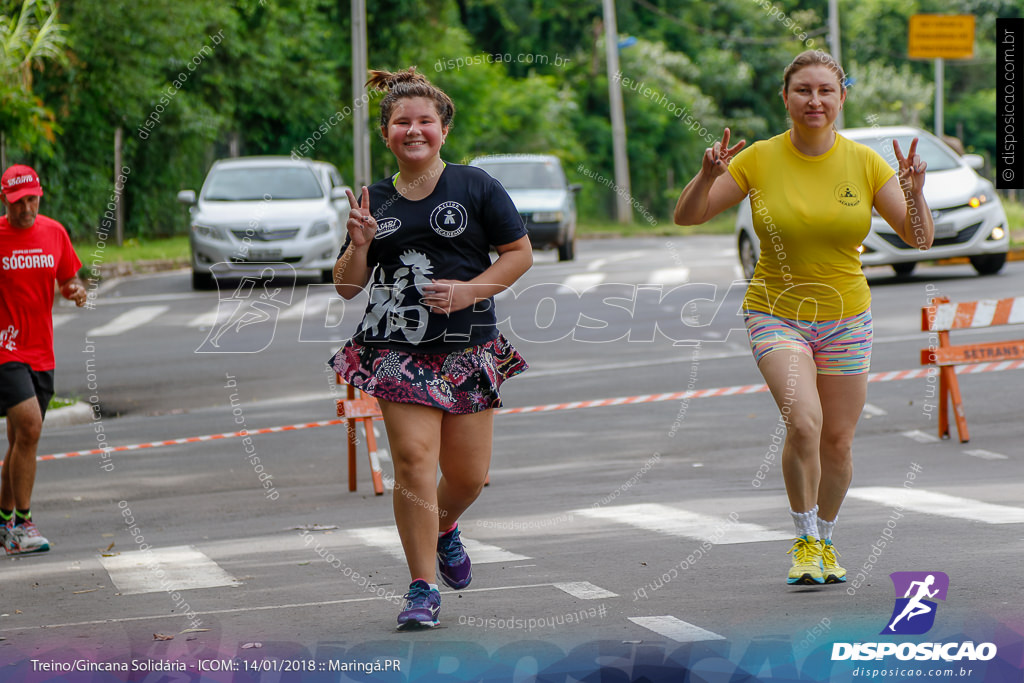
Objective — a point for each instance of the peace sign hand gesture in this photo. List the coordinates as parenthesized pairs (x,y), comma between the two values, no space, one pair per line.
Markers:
(911,168)
(361,225)
(717,157)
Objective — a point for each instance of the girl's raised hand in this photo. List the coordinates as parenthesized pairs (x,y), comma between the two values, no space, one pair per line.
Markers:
(361,225)
(717,157)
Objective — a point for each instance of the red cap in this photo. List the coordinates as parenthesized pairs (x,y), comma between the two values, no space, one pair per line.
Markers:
(20,181)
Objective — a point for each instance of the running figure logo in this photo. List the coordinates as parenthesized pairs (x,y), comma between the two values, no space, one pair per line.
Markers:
(247,319)
(914,613)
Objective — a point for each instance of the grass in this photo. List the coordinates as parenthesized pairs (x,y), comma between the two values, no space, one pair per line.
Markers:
(134,250)
(721,224)
(61,402)
(1015,217)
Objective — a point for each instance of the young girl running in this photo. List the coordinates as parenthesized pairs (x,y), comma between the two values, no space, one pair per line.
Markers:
(808,305)
(428,347)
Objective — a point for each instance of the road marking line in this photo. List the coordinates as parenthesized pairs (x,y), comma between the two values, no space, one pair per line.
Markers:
(208,319)
(670,276)
(920,437)
(61,318)
(127,321)
(870,409)
(584,590)
(675,522)
(581,282)
(941,504)
(676,629)
(157,570)
(986,455)
(262,608)
(386,538)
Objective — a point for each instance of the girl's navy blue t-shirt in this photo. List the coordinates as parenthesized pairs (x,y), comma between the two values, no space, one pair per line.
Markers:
(444,236)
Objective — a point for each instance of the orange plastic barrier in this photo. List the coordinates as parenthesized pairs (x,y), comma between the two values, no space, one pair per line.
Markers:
(365,409)
(940,317)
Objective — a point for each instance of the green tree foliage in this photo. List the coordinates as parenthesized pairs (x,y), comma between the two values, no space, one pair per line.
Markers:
(192,81)
(30,36)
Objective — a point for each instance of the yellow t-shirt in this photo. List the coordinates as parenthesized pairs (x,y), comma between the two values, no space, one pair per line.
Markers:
(811,214)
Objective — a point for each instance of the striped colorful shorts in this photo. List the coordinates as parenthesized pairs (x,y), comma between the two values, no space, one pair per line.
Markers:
(838,347)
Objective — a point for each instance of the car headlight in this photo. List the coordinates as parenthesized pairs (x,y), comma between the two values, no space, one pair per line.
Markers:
(979,199)
(547,217)
(320,228)
(209,233)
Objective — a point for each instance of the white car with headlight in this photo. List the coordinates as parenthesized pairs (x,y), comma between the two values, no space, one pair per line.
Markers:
(255,211)
(969,218)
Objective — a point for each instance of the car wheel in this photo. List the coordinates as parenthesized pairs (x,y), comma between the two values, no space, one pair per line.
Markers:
(904,269)
(748,259)
(327,276)
(202,281)
(567,250)
(988,264)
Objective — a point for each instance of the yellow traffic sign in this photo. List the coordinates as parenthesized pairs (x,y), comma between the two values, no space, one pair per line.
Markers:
(949,36)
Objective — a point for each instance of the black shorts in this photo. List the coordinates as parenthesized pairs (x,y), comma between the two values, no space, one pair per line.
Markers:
(19,382)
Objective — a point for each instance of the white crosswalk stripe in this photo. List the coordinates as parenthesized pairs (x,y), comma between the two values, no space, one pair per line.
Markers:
(664,519)
(932,503)
(386,538)
(583,281)
(164,569)
(129,320)
(670,276)
(584,590)
(676,629)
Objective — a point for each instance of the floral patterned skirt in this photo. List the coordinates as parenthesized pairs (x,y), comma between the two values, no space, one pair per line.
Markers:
(465,381)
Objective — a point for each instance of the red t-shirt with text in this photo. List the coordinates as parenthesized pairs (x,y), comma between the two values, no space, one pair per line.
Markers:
(31,260)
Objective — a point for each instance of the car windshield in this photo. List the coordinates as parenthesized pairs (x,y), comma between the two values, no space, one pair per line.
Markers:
(937,158)
(262,182)
(528,175)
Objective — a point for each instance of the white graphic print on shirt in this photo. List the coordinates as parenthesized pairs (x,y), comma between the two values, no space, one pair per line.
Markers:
(388,301)
(7,338)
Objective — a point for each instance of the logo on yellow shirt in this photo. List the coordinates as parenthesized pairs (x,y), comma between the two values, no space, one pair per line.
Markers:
(847,194)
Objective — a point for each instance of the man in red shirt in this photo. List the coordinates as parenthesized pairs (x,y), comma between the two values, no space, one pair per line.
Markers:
(35,252)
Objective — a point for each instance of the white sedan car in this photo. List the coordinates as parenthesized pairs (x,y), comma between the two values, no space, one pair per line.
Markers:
(969,218)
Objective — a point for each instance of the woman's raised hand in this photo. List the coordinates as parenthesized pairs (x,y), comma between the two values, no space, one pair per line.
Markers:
(361,225)
(717,157)
(911,168)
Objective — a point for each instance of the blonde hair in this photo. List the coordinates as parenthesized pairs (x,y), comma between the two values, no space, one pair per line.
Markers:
(407,83)
(812,58)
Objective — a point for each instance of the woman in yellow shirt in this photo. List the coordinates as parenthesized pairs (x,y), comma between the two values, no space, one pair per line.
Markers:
(808,305)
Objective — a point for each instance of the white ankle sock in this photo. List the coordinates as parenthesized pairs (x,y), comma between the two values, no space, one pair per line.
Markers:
(825,529)
(806,522)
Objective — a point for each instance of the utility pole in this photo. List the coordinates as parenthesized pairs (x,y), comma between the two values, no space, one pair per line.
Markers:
(611,47)
(833,41)
(360,100)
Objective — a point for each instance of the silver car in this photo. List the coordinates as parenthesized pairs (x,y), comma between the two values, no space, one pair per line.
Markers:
(255,211)
(547,203)
(969,218)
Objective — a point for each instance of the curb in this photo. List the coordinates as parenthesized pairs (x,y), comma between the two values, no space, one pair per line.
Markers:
(77,414)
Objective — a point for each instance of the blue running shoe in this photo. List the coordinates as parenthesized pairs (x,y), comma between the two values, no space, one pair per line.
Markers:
(422,607)
(453,565)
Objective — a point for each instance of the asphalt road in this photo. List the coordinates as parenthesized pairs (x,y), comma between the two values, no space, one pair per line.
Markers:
(635,537)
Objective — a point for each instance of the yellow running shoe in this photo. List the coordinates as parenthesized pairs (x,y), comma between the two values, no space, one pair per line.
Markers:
(806,567)
(830,569)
